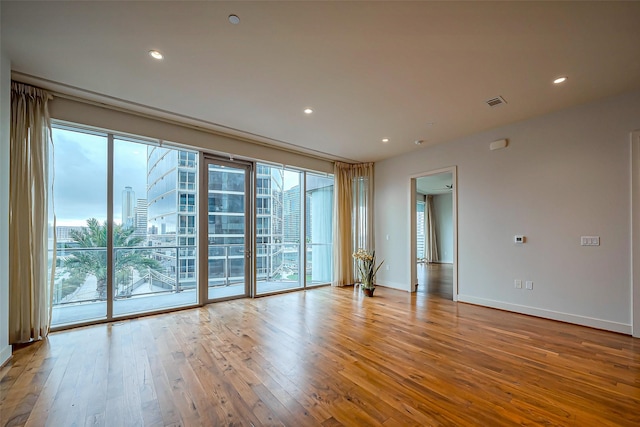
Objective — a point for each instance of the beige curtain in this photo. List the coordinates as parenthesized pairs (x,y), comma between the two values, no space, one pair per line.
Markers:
(353,217)
(430,244)
(30,285)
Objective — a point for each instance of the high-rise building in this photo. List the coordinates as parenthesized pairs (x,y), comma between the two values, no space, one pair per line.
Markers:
(63,233)
(128,207)
(269,224)
(171,212)
(141,218)
(291,214)
(173,217)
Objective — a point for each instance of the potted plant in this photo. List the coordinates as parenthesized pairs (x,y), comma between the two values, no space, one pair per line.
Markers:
(367,270)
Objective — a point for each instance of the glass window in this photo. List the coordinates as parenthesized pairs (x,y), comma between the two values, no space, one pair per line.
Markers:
(319,229)
(150,270)
(80,198)
(226,230)
(226,179)
(151,214)
(228,203)
(420,240)
(278,224)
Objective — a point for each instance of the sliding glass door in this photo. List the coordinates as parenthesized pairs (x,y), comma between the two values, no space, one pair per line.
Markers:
(143,227)
(228,241)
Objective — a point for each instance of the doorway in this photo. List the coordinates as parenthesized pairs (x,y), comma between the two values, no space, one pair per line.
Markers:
(226,262)
(434,233)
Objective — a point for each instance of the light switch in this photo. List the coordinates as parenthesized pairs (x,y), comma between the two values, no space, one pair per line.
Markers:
(590,241)
(529,284)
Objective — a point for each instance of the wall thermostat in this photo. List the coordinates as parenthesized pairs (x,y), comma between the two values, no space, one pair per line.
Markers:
(519,238)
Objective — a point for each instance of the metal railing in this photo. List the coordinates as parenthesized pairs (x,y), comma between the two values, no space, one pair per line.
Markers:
(81,272)
(150,270)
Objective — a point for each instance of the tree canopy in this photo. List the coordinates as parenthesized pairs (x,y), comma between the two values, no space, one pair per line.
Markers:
(93,260)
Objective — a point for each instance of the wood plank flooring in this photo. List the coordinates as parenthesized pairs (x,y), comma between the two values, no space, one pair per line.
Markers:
(435,280)
(326,357)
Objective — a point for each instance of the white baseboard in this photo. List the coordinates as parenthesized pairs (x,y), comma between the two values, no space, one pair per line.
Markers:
(591,322)
(5,354)
(394,285)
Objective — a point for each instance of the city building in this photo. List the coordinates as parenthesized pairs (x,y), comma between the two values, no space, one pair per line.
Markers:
(171,211)
(128,207)
(63,233)
(141,218)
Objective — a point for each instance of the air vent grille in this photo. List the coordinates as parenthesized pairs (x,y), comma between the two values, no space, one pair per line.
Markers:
(495,102)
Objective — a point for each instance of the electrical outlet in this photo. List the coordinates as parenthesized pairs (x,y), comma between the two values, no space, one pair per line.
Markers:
(529,284)
(517,283)
(387,267)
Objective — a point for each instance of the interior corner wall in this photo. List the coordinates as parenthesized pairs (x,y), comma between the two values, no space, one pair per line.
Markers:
(443,213)
(564,175)
(5,119)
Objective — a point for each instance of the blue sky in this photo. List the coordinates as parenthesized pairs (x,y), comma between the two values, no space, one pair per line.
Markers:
(80,182)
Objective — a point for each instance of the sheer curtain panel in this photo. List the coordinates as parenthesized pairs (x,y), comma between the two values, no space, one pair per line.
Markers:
(30,285)
(353,213)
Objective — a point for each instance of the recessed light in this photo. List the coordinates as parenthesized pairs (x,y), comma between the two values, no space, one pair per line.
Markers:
(385,140)
(155,54)
(308,111)
(560,80)
(234,19)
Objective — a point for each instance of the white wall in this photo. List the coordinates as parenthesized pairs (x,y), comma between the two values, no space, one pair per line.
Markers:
(443,212)
(5,118)
(563,175)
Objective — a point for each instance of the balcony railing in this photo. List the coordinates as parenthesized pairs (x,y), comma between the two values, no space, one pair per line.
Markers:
(151,270)
(81,273)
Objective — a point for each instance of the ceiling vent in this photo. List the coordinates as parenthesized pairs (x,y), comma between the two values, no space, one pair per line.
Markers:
(495,102)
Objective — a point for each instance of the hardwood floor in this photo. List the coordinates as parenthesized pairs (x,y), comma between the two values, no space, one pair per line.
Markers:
(435,280)
(327,357)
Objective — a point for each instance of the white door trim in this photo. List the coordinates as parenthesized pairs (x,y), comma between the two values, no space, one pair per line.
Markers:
(453,170)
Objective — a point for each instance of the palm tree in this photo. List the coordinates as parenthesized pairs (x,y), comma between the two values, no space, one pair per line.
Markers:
(94,261)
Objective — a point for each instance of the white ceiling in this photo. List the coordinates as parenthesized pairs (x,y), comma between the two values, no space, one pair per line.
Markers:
(402,70)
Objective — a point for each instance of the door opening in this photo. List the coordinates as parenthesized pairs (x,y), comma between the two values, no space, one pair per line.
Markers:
(226,262)
(434,233)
